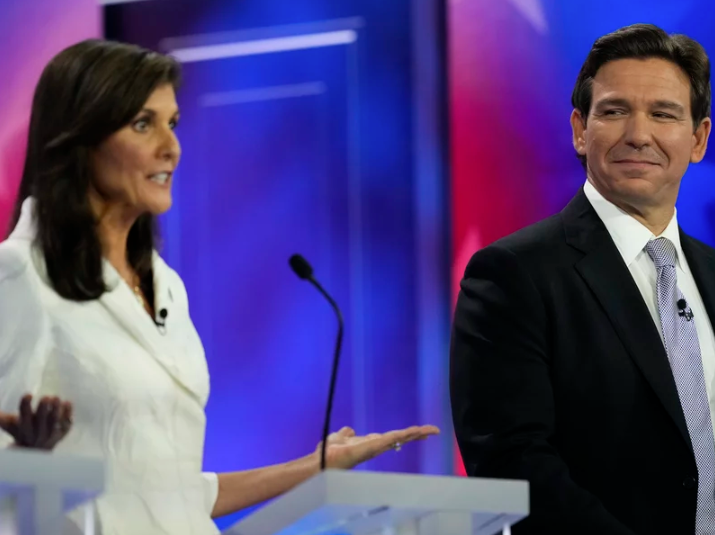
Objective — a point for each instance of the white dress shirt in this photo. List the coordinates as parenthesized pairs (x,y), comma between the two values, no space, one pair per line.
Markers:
(631,237)
(138,393)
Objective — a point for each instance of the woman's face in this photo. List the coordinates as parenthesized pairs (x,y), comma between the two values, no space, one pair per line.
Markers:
(133,168)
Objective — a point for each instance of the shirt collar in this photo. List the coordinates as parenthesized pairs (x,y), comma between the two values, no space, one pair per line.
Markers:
(629,234)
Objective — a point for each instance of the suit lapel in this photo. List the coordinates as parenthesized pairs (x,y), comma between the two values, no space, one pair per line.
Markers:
(608,277)
(122,304)
(701,260)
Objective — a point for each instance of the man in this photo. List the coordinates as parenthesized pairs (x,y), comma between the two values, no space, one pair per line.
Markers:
(583,355)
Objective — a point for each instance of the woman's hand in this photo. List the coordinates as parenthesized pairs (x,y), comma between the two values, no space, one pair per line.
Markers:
(347,450)
(41,429)
(238,490)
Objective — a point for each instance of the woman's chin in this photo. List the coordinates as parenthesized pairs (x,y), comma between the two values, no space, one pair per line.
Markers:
(158,207)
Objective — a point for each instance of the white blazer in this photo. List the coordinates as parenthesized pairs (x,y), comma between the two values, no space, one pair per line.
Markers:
(138,393)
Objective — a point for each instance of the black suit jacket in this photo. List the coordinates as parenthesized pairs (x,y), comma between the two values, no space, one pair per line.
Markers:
(559,377)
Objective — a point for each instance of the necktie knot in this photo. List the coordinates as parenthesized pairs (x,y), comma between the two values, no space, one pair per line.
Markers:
(662,252)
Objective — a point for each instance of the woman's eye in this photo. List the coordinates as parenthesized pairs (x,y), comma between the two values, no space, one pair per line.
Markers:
(141,125)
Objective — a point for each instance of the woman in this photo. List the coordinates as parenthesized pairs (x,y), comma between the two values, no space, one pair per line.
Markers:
(82,291)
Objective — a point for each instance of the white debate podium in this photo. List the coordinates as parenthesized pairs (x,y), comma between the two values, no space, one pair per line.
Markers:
(37,488)
(337,502)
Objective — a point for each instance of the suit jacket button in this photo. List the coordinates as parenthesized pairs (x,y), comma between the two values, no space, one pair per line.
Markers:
(690,482)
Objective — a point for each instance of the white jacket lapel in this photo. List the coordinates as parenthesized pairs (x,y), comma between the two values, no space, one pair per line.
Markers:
(121,302)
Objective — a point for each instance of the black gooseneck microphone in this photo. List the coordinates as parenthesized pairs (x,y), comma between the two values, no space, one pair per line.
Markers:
(303,269)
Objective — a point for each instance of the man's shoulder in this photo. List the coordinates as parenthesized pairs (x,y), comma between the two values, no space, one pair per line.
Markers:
(547,245)
(535,239)
(536,249)
(698,245)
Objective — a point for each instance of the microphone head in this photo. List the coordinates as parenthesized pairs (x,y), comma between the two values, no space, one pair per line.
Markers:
(301,267)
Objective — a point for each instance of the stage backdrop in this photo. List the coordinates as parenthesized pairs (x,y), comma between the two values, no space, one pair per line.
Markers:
(31,32)
(513,64)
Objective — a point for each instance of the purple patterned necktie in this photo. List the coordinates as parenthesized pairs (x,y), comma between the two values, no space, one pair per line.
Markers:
(683,348)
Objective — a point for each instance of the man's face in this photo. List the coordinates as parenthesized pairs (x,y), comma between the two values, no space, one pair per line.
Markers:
(639,135)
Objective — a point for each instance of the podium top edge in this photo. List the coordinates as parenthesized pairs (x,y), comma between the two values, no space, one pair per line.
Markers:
(346,475)
(333,494)
(31,467)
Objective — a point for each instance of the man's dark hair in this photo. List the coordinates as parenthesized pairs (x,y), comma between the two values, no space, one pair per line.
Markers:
(645,41)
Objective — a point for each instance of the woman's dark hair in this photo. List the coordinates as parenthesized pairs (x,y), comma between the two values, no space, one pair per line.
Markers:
(86,93)
(647,41)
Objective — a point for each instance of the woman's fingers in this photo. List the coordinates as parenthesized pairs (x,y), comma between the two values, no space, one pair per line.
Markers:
(429,430)
(340,437)
(350,451)
(414,433)
(9,423)
(67,413)
(54,425)
(370,446)
(62,426)
(42,428)
(346,432)
(44,421)
(26,424)
(397,438)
